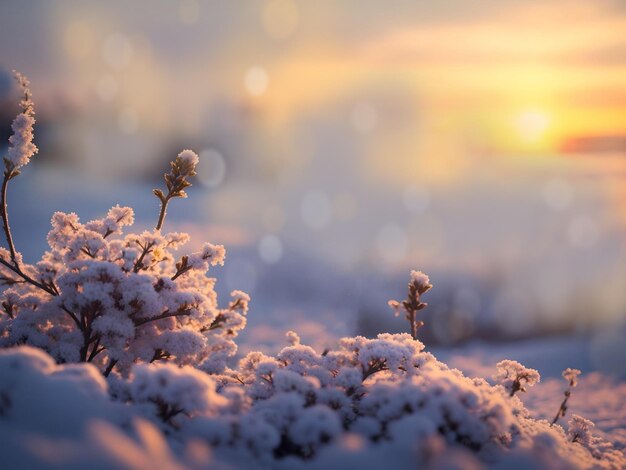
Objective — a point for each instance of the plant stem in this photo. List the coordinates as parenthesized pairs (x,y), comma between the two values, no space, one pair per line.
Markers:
(110,367)
(180,272)
(5,216)
(413,325)
(162,214)
(145,250)
(14,265)
(50,290)
(562,408)
(166,314)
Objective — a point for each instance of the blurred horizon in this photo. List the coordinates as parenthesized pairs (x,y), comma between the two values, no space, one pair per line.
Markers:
(343,144)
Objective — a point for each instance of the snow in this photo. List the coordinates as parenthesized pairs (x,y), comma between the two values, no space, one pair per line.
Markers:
(21,147)
(599,393)
(189,158)
(162,411)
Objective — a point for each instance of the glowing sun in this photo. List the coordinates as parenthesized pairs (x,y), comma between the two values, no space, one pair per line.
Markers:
(531,124)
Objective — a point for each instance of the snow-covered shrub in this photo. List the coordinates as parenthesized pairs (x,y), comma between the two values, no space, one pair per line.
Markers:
(100,302)
(418,413)
(173,390)
(514,377)
(111,299)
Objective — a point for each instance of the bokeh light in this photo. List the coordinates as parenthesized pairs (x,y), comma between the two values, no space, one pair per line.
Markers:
(256,81)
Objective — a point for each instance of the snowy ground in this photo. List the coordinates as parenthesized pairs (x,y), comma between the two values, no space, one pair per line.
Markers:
(601,390)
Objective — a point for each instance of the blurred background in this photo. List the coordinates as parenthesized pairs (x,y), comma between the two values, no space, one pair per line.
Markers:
(343,144)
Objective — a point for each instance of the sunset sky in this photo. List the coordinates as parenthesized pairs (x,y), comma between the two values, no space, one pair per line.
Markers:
(477,136)
(510,76)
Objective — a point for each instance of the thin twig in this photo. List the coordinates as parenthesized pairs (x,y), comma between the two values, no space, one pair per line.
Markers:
(139,263)
(375,366)
(5,216)
(95,350)
(110,367)
(14,264)
(166,314)
(17,270)
(180,272)
(562,408)
(163,212)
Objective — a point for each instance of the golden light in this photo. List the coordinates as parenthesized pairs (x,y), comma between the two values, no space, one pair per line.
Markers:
(78,40)
(256,81)
(531,125)
(280,18)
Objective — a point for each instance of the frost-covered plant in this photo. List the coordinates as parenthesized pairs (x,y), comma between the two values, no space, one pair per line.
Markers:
(176,181)
(419,284)
(21,149)
(571,376)
(173,390)
(301,401)
(111,299)
(514,377)
(580,430)
(303,409)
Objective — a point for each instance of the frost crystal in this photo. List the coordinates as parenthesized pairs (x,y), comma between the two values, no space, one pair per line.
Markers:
(21,147)
(189,160)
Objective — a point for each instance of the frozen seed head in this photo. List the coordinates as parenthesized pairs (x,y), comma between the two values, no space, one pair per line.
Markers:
(239,302)
(292,338)
(21,147)
(240,295)
(396,306)
(183,167)
(188,159)
(515,377)
(210,255)
(571,375)
(421,281)
(26,103)
(580,429)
